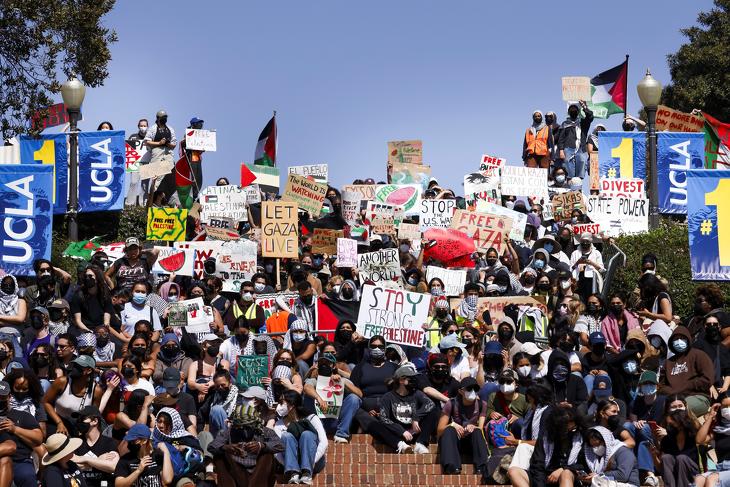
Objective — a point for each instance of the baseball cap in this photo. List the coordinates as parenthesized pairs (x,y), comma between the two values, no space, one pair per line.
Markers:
(42,310)
(648,376)
(85,361)
(493,348)
(602,393)
(4,388)
(131,241)
(596,337)
(508,374)
(171,379)
(89,411)
(138,432)
(530,348)
(210,337)
(59,304)
(467,382)
(254,392)
(196,120)
(405,371)
(586,236)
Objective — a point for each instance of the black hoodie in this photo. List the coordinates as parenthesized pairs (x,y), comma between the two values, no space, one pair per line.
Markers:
(573,390)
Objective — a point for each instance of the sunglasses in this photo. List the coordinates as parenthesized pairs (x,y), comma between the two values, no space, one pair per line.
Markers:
(472,389)
(506,381)
(381,347)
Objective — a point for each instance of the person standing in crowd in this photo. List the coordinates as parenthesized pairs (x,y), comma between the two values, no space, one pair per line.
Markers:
(572,141)
(538,143)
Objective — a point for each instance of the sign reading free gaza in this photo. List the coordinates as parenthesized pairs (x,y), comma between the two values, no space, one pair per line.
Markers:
(393,313)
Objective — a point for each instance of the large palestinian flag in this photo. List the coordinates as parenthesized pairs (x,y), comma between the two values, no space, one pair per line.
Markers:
(266,146)
(717,143)
(608,91)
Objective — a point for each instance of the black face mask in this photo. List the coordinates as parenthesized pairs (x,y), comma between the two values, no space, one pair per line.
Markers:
(260,349)
(55,315)
(170,351)
(285,363)
(544,287)
(491,262)
(39,361)
(213,350)
(134,448)
(20,395)
(505,333)
(616,310)
(442,313)
(325,370)
(712,334)
(566,347)
(129,372)
(613,422)
(89,282)
(83,427)
(118,308)
(307,300)
(139,351)
(345,335)
(529,280)
(101,342)
(592,309)
(242,337)
(440,374)
(37,322)
(348,293)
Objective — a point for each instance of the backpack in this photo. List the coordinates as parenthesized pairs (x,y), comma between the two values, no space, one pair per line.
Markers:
(495,429)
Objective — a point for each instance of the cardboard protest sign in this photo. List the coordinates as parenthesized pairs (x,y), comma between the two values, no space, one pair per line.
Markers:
(592,228)
(488,162)
(253,194)
(346,252)
(379,266)
(405,195)
(227,201)
(453,279)
(267,177)
(408,151)
(251,369)
(486,230)
(199,139)
(171,260)
(519,220)
(381,217)
(268,301)
(626,188)
(155,169)
(395,314)
(525,181)
(677,153)
(166,224)
(496,305)
(618,215)
(593,182)
(279,223)
(707,224)
(675,121)
(324,240)
(436,213)
(622,154)
(198,312)
(410,174)
(236,263)
(204,250)
(223,234)
(564,203)
(317,171)
(576,88)
(409,231)
(351,206)
(482,186)
(333,392)
(366,191)
(221,223)
(307,194)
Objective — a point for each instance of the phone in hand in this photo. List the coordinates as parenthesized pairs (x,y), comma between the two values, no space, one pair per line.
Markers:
(654,427)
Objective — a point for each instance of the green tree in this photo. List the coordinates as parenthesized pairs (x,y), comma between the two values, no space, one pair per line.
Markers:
(700,69)
(42,40)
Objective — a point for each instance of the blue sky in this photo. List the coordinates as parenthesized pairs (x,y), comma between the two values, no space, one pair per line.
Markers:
(346,77)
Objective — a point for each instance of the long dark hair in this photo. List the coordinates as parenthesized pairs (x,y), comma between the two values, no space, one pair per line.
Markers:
(650,287)
(35,391)
(556,424)
(294,399)
(134,404)
(102,290)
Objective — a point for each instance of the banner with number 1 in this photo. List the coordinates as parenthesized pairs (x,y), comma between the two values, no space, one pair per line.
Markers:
(708,222)
(622,155)
(50,149)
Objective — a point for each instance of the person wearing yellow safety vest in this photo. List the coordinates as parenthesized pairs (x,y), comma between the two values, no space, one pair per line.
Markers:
(245,306)
(538,143)
(441,320)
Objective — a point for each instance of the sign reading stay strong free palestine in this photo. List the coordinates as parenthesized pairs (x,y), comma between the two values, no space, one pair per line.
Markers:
(393,313)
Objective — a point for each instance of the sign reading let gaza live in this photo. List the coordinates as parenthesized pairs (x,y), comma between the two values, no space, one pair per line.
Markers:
(395,314)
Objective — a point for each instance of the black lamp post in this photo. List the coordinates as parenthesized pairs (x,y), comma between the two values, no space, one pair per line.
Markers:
(650,93)
(73,92)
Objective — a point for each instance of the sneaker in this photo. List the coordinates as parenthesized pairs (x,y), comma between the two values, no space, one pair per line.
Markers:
(403,447)
(651,480)
(306,480)
(294,479)
(339,439)
(420,449)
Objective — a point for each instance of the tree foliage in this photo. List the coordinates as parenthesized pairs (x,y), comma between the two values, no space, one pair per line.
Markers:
(700,69)
(42,40)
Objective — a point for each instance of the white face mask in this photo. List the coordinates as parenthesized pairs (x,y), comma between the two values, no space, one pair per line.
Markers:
(470,396)
(248,297)
(524,370)
(565,284)
(599,451)
(507,388)
(282,410)
(725,412)
(336,288)
(259,287)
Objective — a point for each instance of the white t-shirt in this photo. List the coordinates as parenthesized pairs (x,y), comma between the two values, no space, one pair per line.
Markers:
(460,367)
(131,314)
(143,384)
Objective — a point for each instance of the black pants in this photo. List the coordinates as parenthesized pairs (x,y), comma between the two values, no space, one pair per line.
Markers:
(451,447)
(392,433)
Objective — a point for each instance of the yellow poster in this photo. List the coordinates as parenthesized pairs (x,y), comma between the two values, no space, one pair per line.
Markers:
(166,224)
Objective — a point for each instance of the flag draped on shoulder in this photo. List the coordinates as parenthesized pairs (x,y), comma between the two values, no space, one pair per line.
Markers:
(266,146)
(608,91)
(717,143)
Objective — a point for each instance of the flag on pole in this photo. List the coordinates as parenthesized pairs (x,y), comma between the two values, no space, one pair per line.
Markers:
(184,182)
(717,142)
(266,146)
(608,91)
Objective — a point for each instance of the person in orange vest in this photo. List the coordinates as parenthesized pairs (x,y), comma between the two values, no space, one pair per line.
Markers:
(538,143)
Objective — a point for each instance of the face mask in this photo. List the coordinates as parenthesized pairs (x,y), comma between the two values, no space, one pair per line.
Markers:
(507,388)
(89,282)
(139,298)
(437,291)
(170,351)
(377,354)
(39,361)
(403,248)
(134,448)
(616,309)
(725,412)
(412,282)
(491,261)
(656,341)
(630,367)
(173,298)
(592,308)
(560,179)
(101,342)
(83,427)
(524,371)
(242,336)
(440,374)
(8,287)
(247,297)
(37,323)
(128,372)
(566,347)
(3,354)
(299,337)
(560,373)
(599,451)
(679,345)
(307,300)
(139,351)
(213,350)
(649,271)
(544,287)
(260,348)
(504,334)
(472,300)
(509,205)
(259,287)
(348,293)
(712,334)
(565,284)
(613,422)
(470,396)
(647,389)
(539,264)
(325,370)
(282,410)
(598,348)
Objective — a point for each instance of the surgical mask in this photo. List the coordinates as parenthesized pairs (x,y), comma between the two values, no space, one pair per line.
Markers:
(538,264)
(509,204)
(560,373)
(649,271)
(377,354)
(259,287)
(142,131)
(560,179)
(656,341)
(565,284)
(299,337)
(647,389)
(679,345)
(173,298)
(599,451)
(470,396)
(336,288)
(282,410)
(524,370)
(563,309)
(404,248)
(678,408)
(139,298)
(725,412)
(630,366)
(507,388)
(247,296)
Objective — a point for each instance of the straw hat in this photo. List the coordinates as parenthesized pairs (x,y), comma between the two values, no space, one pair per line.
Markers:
(58,446)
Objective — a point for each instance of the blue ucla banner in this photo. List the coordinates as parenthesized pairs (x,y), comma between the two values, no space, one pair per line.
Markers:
(26,192)
(622,155)
(708,222)
(101,170)
(52,150)
(677,153)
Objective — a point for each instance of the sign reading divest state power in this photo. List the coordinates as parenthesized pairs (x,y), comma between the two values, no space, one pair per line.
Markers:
(618,215)
(395,314)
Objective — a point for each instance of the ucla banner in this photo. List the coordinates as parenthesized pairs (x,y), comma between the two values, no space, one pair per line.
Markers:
(26,192)
(51,150)
(677,153)
(622,155)
(102,164)
(708,222)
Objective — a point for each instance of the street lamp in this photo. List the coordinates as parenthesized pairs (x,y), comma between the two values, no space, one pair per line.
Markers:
(73,92)
(650,93)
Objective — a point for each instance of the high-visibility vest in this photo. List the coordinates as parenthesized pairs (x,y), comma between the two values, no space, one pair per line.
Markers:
(537,143)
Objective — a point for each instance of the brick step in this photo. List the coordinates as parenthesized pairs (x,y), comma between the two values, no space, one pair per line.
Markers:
(359,448)
(407,468)
(391,480)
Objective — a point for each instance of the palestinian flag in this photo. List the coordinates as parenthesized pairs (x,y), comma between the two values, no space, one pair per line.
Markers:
(608,91)
(266,146)
(717,143)
(82,250)
(331,311)
(184,182)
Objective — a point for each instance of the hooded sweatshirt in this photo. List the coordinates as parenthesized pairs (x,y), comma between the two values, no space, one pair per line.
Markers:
(618,462)
(573,390)
(690,372)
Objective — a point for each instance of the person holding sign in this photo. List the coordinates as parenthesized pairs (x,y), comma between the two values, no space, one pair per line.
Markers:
(538,143)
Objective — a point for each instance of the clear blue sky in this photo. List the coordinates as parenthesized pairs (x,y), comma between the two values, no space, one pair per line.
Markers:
(346,77)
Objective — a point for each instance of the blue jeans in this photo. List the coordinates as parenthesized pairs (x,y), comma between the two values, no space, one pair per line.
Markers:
(643,438)
(299,454)
(217,420)
(350,405)
(588,379)
(575,166)
(24,474)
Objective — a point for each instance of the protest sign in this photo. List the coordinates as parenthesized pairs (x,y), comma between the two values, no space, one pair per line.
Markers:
(482,186)
(307,194)
(236,263)
(324,240)
(279,229)
(227,201)
(166,224)
(524,181)
(360,232)
(199,139)
(171,260)
(251,369)
(102,164)
(395,314)
(673,120)
(453,279)
(489,162)
(218,233)
(351,207)
(113,250)
(26,192)
(379,266)
(318,172)
(366,191)
(177,315)
(268,301)
(594,181)
(267,177)
(132,157)
(204,250)
(618,215)
(408,151)
(409,231)
(581,228)
(405,195)
(253,194)
(436,213)
(346,252)
(547,211)
(197,313)
(563,204)
(220,223)
(333,392)
(622,155)
(708,222)
(447,245)
(626,188)
(677,153)
(519,220)
(155,169)
(576,88)
(496,305)
(55,115)
(486,230)
(381,217)
(410,174)
(51,150)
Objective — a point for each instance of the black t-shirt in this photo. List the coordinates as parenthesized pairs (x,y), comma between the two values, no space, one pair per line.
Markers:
(128,274)
(91,308)
(185,405)
(103,445)
(150,477)
(27,422)
(371,380)
(55,476)
(649,412)
(449,388)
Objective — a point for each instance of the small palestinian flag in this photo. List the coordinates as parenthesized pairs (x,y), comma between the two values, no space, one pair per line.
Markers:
(608,91)
(266,146)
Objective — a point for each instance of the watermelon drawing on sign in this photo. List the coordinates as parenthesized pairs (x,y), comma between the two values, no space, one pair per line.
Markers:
(405,196)
(173,263)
